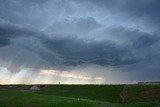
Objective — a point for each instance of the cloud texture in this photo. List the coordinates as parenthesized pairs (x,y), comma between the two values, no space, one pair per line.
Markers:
(112,38)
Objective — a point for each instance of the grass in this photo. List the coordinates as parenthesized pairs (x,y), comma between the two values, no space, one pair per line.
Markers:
(31,99)
(82,96)
(95,92)
(143,93)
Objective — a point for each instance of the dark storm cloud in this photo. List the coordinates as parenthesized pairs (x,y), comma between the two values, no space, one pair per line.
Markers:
(4,41)
(75,51)
(132,50)
(136,9)
(79,27)
(145,41)
(142,8)
(69,51)
(15,48)
(23,12)
(70,33)
(9,32)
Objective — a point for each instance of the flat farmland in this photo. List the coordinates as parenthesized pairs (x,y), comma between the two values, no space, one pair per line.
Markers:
(80,96)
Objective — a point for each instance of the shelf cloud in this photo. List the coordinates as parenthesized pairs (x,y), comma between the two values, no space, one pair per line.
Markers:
(116,41)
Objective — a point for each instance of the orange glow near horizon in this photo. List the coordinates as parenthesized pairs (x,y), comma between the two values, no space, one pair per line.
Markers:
(67,74)
(47,76)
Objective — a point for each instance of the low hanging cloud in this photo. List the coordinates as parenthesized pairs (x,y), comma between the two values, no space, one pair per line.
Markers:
(114,36)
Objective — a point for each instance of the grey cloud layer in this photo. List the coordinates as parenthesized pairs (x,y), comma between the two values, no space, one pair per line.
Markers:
(62,50)
(135,9)
(67,33)
(73,51)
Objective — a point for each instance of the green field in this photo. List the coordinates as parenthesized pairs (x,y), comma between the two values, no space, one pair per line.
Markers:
(81,96)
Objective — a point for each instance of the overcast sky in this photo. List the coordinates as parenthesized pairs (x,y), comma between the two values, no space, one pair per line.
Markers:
(79,41)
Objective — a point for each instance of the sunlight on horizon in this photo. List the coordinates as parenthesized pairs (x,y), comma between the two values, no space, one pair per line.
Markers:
(47,76)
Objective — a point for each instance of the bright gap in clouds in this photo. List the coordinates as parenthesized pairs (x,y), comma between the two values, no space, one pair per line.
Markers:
(85,75)
(47,76)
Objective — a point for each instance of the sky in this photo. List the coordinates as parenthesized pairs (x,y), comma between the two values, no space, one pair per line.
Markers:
(79,41)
